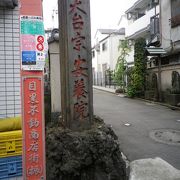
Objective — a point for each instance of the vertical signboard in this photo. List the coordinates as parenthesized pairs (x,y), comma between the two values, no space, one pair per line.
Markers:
(76,66)
(32,43)
(33,128)
(32,36)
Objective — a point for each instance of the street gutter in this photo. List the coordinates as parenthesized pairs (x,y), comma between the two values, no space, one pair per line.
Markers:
(160,103)
(149,101)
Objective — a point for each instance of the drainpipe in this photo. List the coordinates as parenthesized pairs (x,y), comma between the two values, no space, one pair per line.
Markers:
(159,78)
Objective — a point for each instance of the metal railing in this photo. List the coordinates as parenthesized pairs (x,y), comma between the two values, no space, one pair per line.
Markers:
(106,81)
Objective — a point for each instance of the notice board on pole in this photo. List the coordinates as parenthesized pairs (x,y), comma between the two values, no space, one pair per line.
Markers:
(32,43)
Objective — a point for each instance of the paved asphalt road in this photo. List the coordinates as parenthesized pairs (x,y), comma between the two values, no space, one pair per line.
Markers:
(144,117)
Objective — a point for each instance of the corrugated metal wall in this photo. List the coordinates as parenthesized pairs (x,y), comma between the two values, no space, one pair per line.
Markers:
(10,102)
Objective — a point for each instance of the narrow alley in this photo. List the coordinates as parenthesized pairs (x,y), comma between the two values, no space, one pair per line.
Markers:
(134,120)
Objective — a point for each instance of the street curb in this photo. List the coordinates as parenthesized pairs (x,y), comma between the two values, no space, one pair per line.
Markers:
(105,90)
(162,104)
(159,103)
(127,164)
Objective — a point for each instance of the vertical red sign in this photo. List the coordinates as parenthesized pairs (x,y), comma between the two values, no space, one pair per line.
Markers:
(33,128)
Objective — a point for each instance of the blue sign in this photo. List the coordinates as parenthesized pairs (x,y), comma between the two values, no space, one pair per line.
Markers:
(28,57)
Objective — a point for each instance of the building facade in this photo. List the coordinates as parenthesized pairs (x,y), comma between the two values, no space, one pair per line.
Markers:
(142,17)
(10,101)
(139,18)
(169,41)
(105,53)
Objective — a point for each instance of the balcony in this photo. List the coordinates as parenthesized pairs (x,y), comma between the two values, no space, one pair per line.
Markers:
(141,25)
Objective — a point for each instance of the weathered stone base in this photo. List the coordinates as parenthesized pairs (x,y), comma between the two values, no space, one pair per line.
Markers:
(88,155)
(151,95)
(173,99)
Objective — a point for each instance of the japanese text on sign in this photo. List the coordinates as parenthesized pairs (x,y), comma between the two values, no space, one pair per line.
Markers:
(34,153)
(80,68)
(32,43)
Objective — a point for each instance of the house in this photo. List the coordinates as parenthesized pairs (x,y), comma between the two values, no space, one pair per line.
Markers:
(169,41)
(10,58)
(105,52)
(141,17)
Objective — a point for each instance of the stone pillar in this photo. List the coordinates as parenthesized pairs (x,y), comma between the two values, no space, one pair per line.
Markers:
(75,63)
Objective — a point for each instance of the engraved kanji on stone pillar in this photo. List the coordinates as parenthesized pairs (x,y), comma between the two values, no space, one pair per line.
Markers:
(76,63)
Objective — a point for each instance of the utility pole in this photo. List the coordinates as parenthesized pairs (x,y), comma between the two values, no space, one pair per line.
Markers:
(75,63)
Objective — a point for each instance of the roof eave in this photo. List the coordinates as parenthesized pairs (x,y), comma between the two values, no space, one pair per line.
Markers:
(134,6)
(137,33)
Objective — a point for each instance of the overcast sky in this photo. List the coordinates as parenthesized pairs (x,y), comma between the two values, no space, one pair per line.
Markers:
(104,13)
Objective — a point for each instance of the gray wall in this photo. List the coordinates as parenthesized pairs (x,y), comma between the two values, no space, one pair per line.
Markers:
(10,102)
(166,75)
(55,77)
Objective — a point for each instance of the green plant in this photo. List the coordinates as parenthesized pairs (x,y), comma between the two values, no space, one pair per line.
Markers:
(109,75)
(120,70)
(130,87)
(131,92)
(139,72)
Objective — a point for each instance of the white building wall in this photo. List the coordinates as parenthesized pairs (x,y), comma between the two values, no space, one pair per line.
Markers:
(104,56)
(10,102)
(98,37)
(95,65)
(108,57)
(94,60)
(141,23)
(114,50)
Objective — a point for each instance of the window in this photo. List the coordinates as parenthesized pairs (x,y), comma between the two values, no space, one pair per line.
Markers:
(152,4)
(140,15)
(93,54)
(175,13)
(104,46)
(154,25)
